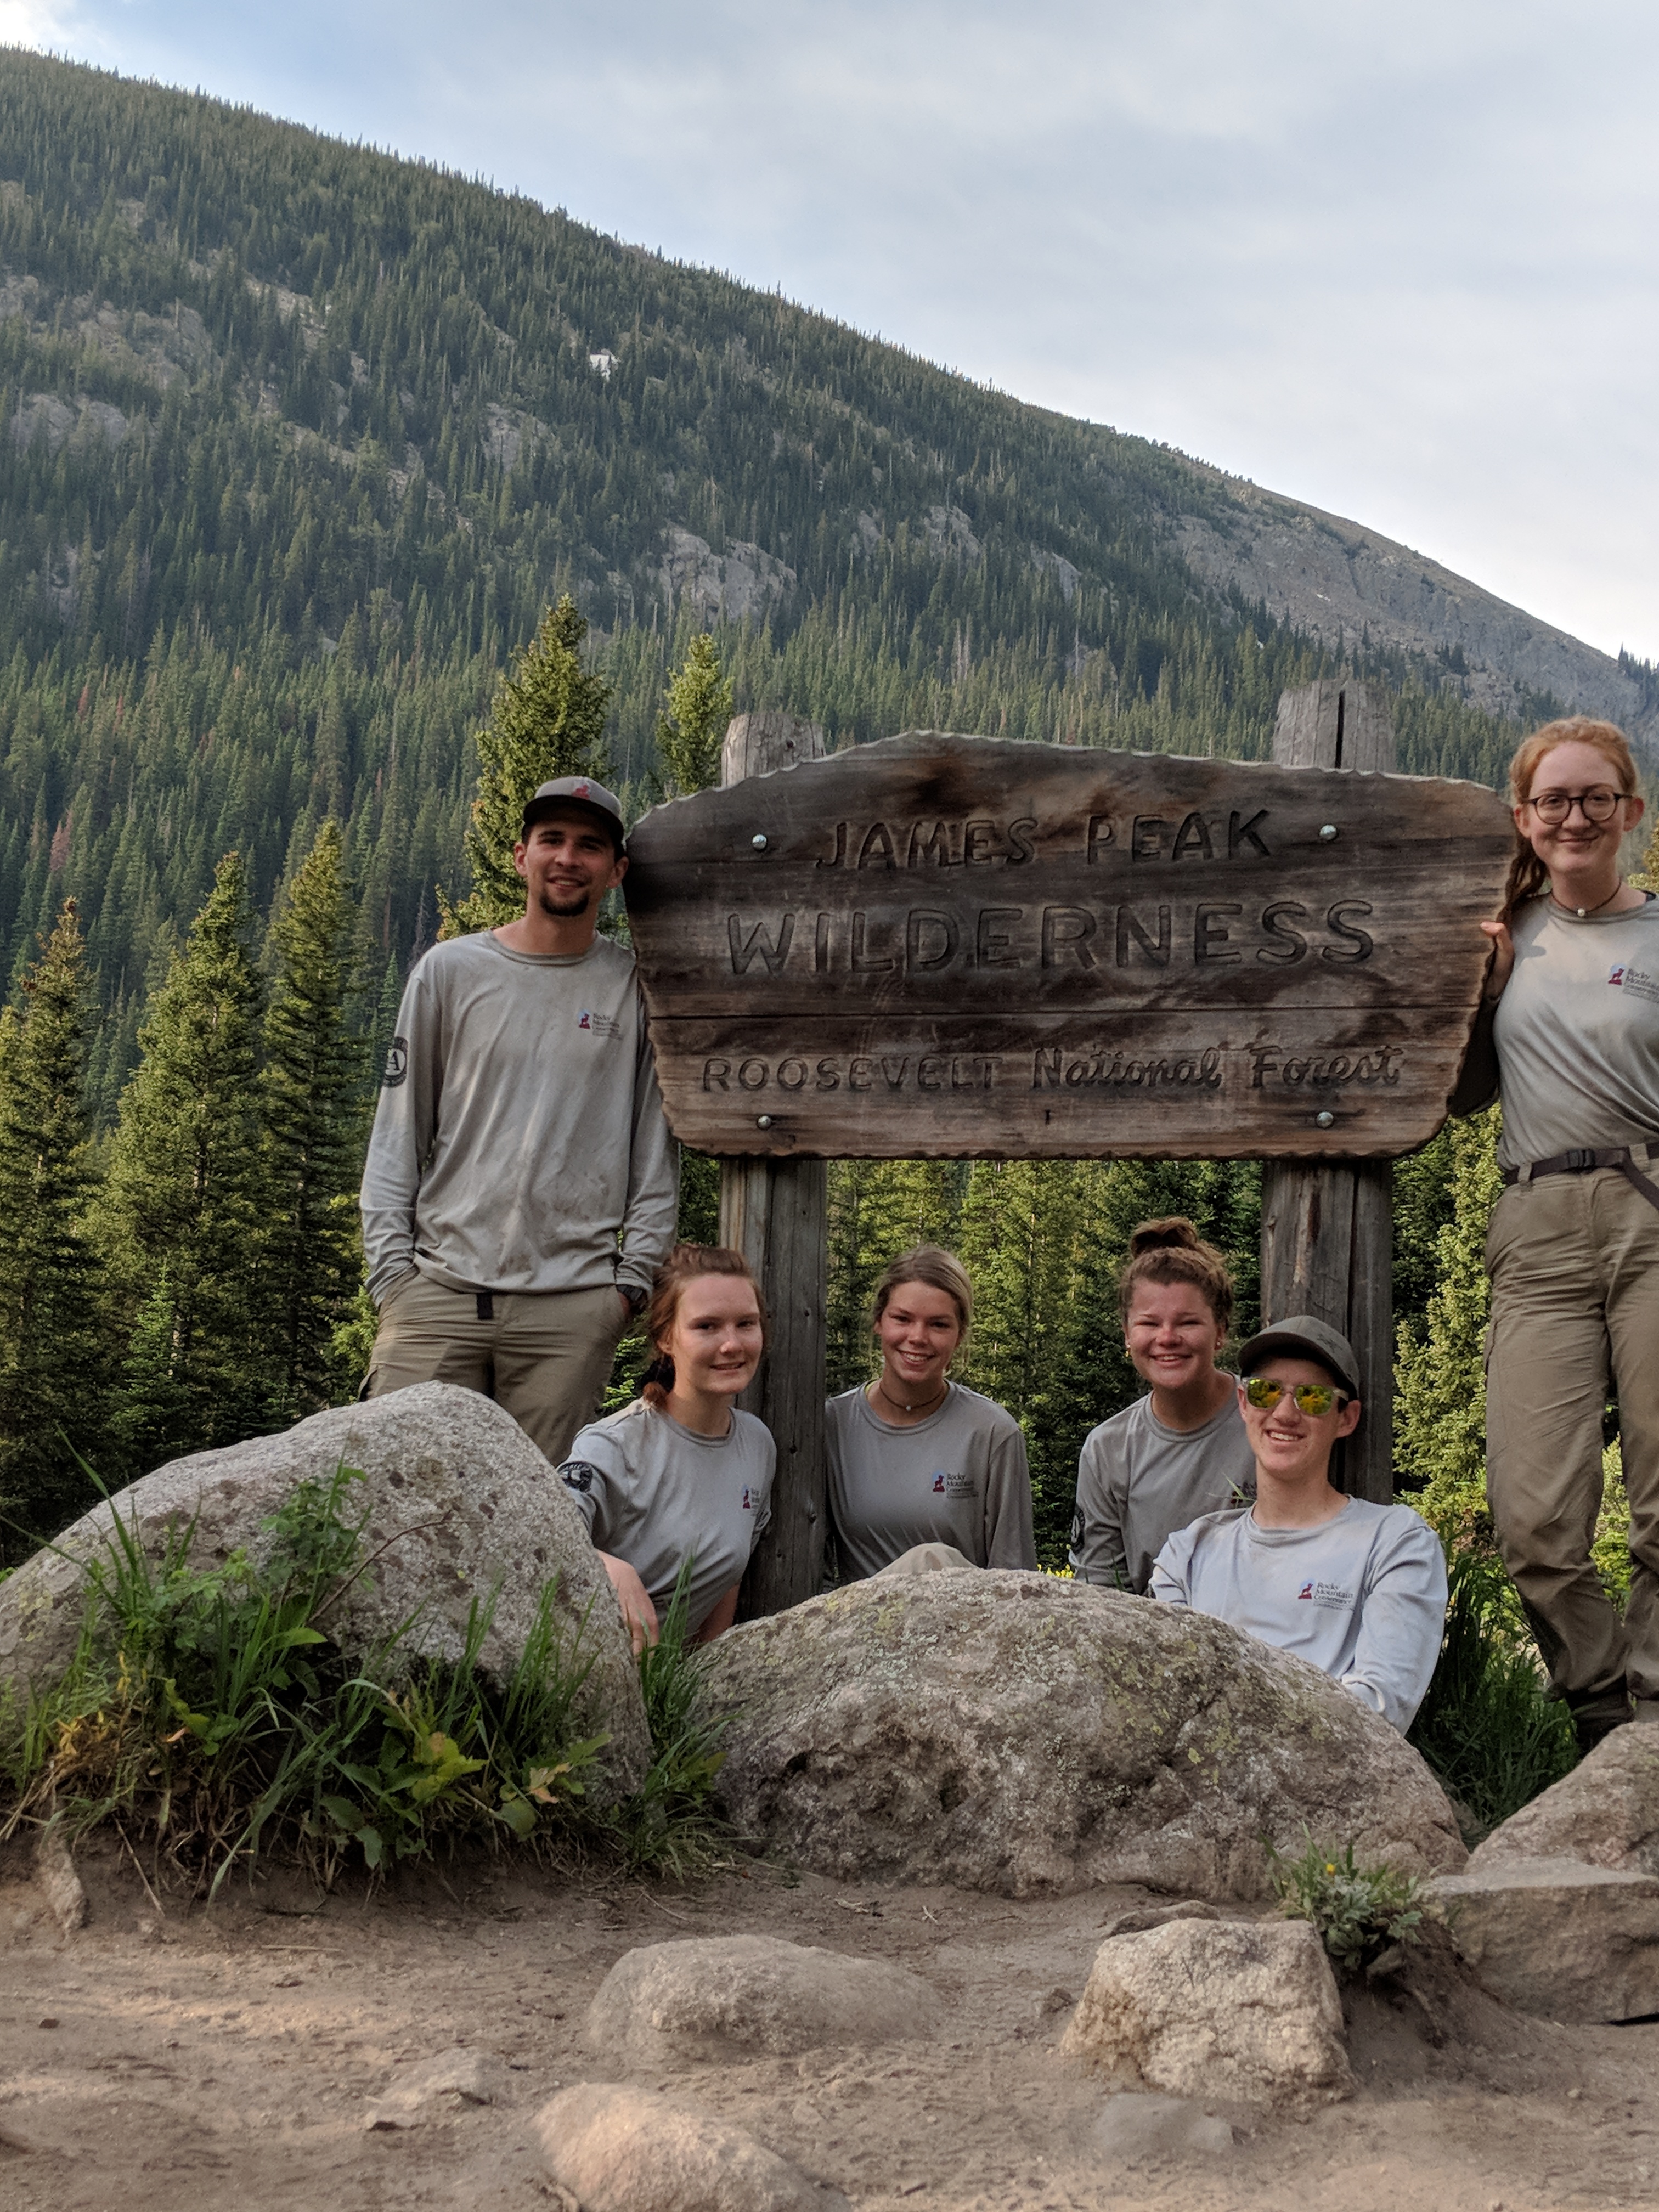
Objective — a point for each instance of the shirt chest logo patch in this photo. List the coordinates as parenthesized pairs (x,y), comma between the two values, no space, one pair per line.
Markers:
(1636,981)
(748,1499)
(601,1025)
(1331,1595)
(946,1485)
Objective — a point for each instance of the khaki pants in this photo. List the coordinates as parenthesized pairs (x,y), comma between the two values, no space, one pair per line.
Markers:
(542,1355)
(1574,1261)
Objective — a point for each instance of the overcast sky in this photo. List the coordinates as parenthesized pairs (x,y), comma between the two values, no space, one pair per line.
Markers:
(1397,260)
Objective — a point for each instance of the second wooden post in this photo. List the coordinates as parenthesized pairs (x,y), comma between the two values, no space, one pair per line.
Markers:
(1328,1227)
(774,1213)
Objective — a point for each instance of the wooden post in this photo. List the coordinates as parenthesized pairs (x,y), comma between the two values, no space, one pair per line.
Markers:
(1328,1230)
(775,1211)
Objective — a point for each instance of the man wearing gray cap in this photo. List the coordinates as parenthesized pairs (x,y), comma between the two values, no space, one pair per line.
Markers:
(1359,1590)
(519,1188)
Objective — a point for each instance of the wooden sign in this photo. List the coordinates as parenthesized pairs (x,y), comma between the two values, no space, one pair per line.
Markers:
(944,946)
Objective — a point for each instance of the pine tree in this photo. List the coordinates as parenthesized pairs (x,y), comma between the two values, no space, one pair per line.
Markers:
(547,720)
(1646,877)
(690,734)
(185,1200)
(52,1342)
(1440,1382)
(311,1096)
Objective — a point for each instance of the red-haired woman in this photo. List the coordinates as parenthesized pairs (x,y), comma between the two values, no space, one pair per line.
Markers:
(1569,1038)
(1182,1450)
(683,1473)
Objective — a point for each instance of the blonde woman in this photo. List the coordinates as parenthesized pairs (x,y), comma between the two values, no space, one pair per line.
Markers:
(682,1472)
(924,1473)
(1569,1038)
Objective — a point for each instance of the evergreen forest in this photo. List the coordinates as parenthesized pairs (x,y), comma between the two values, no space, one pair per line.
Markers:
(337,495)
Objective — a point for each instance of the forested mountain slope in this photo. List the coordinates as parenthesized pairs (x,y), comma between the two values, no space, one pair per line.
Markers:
(300,439)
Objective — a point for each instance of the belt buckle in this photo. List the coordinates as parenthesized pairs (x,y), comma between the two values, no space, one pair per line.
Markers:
(1580,1162)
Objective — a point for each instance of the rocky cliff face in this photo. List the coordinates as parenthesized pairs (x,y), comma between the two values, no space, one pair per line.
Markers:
(1337,577)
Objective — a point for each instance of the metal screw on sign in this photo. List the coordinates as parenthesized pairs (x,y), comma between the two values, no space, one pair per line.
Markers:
(1328,833)
(758,840)
(1324,1121)
(763,1120)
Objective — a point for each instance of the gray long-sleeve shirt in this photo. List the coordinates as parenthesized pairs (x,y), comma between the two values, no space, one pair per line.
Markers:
(959,1478)
(519,1133)
(1139,1481)
(1362,1596)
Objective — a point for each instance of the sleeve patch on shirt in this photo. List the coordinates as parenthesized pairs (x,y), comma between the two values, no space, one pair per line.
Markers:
(397,1063)
(577,1474)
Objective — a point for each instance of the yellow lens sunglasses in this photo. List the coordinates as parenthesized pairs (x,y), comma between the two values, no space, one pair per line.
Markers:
(1313,1399)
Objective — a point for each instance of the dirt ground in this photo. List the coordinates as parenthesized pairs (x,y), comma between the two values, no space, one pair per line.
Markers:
(202,2059)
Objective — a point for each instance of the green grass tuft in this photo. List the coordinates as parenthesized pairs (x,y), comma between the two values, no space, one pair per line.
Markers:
(208,1717)
(1487,1726)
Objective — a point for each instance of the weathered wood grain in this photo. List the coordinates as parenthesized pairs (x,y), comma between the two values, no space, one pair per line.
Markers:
(774,1213)
(1328,1226)
(956,945)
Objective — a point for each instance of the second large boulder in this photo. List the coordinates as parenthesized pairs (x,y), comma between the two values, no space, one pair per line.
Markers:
(1019,1733)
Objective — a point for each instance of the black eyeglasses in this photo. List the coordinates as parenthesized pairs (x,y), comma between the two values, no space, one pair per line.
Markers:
(1598,805)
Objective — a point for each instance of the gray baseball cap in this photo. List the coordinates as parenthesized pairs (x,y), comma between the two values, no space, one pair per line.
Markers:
(1302,1336)
(575,791)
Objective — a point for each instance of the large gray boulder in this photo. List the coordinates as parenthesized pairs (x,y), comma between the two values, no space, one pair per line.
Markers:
(727,1997)
(1557,1937)
(1605,1812)
(1244,2011)
(458,1505)
(1017,1733)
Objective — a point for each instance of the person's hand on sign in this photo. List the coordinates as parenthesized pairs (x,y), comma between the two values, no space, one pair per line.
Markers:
(1503,958)
(639,1614)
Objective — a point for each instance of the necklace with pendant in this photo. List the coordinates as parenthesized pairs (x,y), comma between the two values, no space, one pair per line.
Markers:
(1583,913)
(926,1405)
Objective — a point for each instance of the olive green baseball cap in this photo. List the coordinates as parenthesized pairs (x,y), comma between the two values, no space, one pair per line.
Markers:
(1303,1336)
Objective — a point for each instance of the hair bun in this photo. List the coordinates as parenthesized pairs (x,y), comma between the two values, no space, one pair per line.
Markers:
(1175,1232)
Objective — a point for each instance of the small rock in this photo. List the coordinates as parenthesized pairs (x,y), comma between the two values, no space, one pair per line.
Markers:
(448,2082)
(714,1996)
(1556,1937)
(51,2020)
(630,2150)
(1604,1814)
(1139,1918)
(1137,2126)
(1247,2011)
(1056,2001)
(60,1884)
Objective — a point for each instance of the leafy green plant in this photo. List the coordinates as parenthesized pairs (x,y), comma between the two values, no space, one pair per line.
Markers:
(669,1823)
(1362,1913)
(1488,1725)
(207,1714)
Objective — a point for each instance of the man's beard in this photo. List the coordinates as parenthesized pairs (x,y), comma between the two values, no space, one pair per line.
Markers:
(566,906)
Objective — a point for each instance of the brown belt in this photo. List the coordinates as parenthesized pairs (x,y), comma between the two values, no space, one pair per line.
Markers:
(1584,1162)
